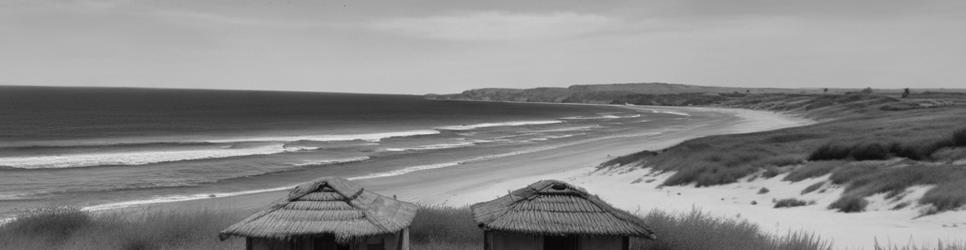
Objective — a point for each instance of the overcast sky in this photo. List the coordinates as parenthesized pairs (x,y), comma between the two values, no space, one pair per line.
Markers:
(448,46)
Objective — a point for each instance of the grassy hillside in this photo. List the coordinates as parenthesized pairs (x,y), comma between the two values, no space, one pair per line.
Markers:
(868,143)
(668,94)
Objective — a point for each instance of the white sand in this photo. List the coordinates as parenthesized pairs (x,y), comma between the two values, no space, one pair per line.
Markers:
(846,231)
(484,180)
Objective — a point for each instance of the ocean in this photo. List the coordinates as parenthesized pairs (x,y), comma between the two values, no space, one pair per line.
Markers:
(90,146)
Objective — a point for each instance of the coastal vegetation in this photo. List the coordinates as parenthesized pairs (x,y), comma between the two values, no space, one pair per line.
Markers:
(434,228)
(865,143)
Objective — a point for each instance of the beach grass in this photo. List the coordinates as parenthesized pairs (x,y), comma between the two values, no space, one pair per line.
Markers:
(434,227)
(861,143)
(697,230)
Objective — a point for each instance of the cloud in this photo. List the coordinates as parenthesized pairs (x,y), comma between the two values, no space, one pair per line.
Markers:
(499,26)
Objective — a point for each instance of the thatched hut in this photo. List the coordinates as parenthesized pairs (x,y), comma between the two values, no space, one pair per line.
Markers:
(555,215)
(328,213)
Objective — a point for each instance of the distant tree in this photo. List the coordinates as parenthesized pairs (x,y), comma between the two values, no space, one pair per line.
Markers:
(905,93)
(747,91)
(867,90)
(825,90)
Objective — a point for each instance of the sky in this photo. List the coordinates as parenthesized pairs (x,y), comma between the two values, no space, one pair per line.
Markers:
(446,46)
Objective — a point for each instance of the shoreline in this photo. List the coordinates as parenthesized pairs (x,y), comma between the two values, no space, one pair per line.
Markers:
(438,186)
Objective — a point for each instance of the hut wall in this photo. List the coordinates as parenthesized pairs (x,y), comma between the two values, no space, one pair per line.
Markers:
(512,241)
(268,244)
(602,243)
(397,241)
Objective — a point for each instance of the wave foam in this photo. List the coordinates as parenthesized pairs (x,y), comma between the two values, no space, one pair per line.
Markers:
(499,124)
(334,161)
(603,117)
(432,147)
(669,112)
(140,157)
(406,170)
(178,198)
(370,137)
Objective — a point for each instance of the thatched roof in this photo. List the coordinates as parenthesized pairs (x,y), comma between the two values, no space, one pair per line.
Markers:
(327,206)
(552,207)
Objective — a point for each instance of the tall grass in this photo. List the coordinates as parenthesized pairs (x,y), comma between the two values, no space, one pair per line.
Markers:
(939,246)
(865,180)
(434,228)
(812,169)
(437,227)
(70,228)
(915,149)
(697,230)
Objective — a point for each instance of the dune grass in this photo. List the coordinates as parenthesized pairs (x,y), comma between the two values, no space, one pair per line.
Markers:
(437,227)
(790,202)
(70,228)
(433,228)
(910,246)
(697,230)
(857,144)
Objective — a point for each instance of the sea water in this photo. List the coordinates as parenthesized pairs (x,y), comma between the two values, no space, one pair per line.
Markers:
(100,145)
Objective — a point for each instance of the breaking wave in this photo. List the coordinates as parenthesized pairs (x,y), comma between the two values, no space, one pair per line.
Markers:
(432,147)
(370,137)
(129,158)
(499,124)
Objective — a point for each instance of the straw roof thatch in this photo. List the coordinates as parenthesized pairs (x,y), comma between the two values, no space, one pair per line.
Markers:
(327,206)
(552,207)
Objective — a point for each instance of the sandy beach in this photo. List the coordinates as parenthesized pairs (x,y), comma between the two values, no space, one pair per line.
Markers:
(460,185)
(483,180)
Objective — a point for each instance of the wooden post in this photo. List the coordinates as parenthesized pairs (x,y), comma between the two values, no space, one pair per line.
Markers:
(486,240)
(405,239)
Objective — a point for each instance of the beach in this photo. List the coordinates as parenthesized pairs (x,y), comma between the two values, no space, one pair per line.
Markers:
(639,192)
(467,183)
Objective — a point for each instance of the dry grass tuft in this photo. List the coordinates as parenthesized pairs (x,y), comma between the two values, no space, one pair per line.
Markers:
(438,227)
(790,202)
(849,204)
(683,232)
(70,228)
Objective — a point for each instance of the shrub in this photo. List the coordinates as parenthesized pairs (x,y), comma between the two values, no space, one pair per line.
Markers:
(946,196)
(905,150)
(790,202)
(849,204)
(813,187)
(829,152)
(771,171)
(763,191)
(627,159)
(812,170)
(959,137)
(847,173)
(55,222)
(950,154)
(871,151)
